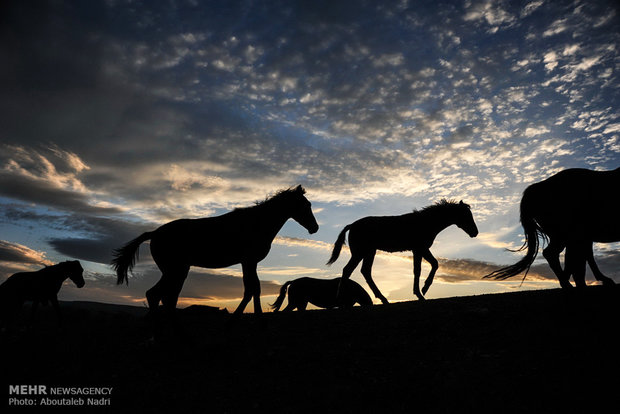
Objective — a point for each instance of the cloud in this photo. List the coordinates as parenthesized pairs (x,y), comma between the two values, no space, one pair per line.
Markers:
(14,252)
(15,257)
(127,117)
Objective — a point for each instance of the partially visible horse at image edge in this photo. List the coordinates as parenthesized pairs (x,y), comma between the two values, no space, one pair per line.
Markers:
(41,286)
(571,209)
(243,235)
(414,231)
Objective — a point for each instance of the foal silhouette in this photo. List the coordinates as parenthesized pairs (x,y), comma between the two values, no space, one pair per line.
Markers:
(322,293)
(571,209)
(413,231)
(39,287)
(243,235)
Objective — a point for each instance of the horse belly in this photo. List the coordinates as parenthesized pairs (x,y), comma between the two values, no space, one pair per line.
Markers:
(320,293)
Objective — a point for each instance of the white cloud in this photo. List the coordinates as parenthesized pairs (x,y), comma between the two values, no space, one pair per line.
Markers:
(551,60)
(556,27)
(534,131)
(394,59)
(531,7)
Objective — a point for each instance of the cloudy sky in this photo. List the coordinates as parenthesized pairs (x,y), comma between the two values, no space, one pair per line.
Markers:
(118,116)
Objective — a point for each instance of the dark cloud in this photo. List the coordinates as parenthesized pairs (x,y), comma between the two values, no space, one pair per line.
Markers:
(15,258)
(13,252)
(43,194)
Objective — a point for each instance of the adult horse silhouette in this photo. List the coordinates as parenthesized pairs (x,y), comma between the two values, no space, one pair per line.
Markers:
(414,231)
(571,209)
(39,287)
(243,235)
(322,293)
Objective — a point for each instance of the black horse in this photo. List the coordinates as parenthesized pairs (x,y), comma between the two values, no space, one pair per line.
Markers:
(322,293)
(413,231)
(39,287)
(243,235)
(571,209)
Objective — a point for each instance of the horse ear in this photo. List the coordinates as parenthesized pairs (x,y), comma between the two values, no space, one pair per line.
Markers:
(300,189)
(461,202)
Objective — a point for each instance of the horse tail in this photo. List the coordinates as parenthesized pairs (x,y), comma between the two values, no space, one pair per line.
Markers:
(125,257)
(276,305)
(338,245)
(532,233)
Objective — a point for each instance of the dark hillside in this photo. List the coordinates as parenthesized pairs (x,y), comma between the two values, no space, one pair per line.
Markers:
(533,351)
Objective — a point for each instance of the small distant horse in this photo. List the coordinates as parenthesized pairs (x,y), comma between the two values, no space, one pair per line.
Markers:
(39,287)
(243,235)
(414,231)
(322,293)
(571,209)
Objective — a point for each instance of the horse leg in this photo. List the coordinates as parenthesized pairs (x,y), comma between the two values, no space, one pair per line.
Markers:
(552,254)
(154,295)
(33,311)
(575,263)
(434,265)
(54,300)
(417,269)
(346,273)
(251,288)
(173,283)
(367,273)
(596,271)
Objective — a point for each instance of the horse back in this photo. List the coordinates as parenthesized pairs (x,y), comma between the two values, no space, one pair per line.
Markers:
(388,233)
(576,203)
(211,242)
(323,293)
(29,286)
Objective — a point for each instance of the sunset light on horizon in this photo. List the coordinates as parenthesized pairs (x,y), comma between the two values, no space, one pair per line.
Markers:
(120,116)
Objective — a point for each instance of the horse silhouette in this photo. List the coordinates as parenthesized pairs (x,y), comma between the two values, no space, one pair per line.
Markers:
(243,235)
(414,231)
(39,287)
(571,209)
(575,259)
(322,293)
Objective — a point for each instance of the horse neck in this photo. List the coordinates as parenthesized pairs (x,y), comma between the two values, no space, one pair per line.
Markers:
(57,273)
(439,219)
(272,217)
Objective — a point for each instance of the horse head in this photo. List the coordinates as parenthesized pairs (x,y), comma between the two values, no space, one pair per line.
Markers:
(75,270)
(302,210)
(465,220)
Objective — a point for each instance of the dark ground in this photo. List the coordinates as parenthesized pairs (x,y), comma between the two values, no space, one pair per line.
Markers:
(533,351)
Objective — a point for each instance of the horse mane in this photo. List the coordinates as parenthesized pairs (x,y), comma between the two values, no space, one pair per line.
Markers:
(56,266)
(441,204)
(278,196)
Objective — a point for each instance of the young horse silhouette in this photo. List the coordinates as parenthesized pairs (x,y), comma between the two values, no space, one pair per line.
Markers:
(322,293)
(413,231)
(243,235)
(571,209)
(39,287)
